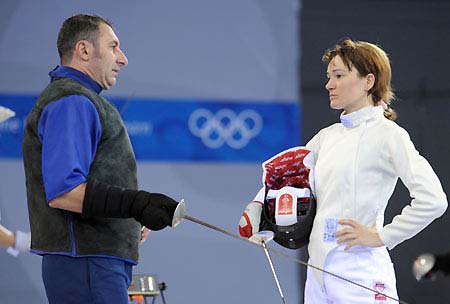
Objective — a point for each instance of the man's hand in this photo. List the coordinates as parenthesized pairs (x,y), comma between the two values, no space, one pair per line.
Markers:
(358,234)
(144,234)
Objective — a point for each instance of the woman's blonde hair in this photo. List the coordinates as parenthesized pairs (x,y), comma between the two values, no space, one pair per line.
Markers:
(367,58)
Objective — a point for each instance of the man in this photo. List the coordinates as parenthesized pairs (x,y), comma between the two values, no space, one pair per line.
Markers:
(85,211)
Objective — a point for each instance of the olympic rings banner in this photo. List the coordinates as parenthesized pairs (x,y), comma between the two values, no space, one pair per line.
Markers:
(185,130)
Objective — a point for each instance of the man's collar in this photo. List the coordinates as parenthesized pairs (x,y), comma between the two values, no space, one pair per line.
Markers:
(85,80)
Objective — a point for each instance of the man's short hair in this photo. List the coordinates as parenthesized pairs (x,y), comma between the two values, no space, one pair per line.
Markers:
(76,28)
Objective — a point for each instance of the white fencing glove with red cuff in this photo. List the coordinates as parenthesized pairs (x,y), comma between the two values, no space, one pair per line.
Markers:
(250,219)
(22,244)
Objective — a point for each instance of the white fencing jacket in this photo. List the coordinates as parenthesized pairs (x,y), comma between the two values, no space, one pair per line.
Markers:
(358,162)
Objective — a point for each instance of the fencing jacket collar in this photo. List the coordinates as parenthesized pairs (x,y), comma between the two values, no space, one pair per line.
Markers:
(354,119)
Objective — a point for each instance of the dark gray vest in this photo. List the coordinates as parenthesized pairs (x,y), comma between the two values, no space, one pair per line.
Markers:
(56,230)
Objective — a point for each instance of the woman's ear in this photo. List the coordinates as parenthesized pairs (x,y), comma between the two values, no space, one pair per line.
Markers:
(370,81)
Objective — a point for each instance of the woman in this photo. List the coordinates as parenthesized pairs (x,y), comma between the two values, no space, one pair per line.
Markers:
(358,162)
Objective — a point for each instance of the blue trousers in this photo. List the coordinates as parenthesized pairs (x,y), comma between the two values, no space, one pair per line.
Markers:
(87,280)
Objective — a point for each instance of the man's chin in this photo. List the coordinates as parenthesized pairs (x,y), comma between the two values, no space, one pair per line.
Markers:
(109,84)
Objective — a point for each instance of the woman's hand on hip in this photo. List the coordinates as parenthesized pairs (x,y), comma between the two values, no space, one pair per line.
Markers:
(358,234)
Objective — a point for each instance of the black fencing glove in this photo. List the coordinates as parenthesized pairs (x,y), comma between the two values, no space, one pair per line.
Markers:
(153,210)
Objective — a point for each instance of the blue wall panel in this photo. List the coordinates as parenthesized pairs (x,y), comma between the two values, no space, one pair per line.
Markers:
(185,130)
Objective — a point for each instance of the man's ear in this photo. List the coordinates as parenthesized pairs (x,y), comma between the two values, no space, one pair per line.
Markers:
(370,81)
(83,50)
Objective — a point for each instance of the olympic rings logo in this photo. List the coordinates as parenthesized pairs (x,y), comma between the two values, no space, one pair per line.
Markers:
(236,130)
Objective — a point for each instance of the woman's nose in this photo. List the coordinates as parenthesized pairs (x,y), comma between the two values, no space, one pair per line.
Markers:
(329,84)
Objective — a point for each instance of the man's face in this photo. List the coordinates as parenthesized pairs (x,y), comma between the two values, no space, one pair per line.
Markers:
(107,58)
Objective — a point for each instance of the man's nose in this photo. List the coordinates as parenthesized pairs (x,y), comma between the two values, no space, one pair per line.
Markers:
(122,59)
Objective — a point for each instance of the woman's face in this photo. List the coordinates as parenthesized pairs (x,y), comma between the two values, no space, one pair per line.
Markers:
(346,88)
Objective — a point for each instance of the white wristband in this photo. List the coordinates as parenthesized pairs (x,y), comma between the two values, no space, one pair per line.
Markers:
(12,251)
(23,241)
